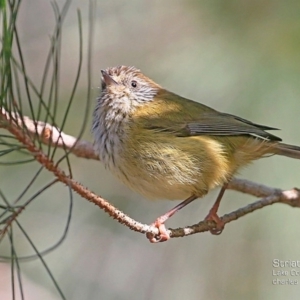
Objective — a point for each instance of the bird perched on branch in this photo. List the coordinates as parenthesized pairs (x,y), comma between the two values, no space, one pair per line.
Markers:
(165,146)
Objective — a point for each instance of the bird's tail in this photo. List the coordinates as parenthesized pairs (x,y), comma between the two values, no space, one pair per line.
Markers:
(287,150)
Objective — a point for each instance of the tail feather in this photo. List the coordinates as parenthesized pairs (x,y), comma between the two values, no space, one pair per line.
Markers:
(287,150)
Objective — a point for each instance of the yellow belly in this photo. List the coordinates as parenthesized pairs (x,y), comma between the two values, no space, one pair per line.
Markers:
(173,168)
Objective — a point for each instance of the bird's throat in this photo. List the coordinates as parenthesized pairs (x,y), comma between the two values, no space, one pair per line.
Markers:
(109,130)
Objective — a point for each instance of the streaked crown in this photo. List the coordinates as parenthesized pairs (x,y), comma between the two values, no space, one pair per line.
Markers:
(128,82)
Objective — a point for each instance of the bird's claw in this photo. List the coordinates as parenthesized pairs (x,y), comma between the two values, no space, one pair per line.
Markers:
(219,223)
(163,235)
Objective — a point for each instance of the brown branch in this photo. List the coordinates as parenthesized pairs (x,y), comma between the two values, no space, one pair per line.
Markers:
(50,134)
(290,197)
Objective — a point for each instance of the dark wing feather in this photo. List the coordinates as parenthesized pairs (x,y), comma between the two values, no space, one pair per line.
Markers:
(263,127)
(221,125)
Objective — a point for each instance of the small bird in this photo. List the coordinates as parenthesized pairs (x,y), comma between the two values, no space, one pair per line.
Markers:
(165,146)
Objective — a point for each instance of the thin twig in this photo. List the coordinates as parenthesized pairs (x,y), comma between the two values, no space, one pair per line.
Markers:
(290,197)
(50,134)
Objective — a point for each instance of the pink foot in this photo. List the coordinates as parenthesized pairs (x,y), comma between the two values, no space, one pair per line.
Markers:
(163,233)
(219,223)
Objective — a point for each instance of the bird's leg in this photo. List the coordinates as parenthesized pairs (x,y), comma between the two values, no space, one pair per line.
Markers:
(213,216)
(160,222)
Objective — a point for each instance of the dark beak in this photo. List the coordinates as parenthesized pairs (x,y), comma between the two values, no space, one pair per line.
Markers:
(107,79)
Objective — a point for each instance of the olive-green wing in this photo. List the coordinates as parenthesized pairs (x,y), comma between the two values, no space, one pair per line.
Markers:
(217,124)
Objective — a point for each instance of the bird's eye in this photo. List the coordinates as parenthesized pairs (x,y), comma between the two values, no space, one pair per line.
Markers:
(133,83)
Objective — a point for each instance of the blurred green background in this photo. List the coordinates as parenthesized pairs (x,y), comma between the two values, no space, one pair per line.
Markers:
(240,57)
